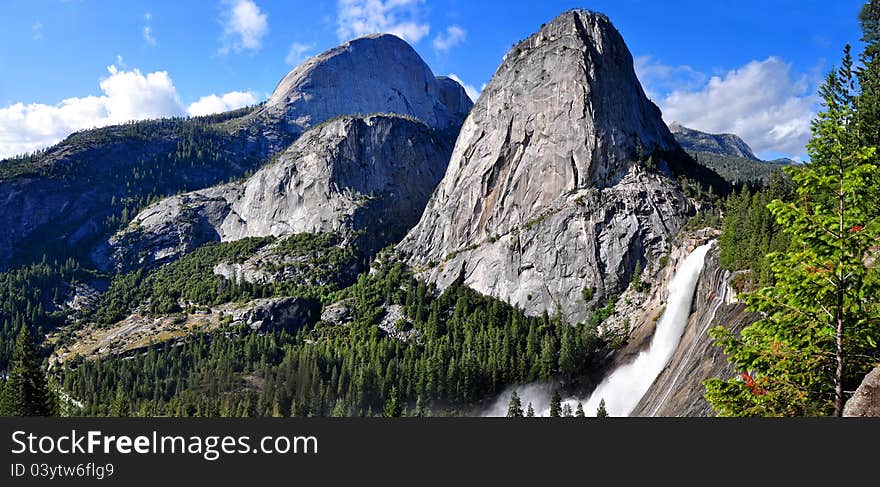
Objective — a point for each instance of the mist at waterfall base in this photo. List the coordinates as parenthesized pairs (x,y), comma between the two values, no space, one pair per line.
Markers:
(625,386)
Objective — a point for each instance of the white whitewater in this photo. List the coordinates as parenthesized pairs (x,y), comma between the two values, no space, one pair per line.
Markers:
(624,388)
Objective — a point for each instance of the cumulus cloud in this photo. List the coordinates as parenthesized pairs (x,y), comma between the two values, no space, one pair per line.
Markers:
(126,95)
(471,90)
(210,104)
(297,53)
(399,17)
(244,26)
(763,102)
(453,36)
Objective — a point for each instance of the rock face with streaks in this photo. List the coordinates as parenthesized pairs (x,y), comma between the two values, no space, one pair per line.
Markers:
(563,177)
(367,179)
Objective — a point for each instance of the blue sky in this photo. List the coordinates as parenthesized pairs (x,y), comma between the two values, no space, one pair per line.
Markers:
(749,67)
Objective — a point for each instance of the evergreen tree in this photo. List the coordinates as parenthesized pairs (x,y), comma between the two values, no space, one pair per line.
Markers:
(530,413)
(514,407)
(580,411)
(566,411)
(601,412)
(868,101)
(568,354)
(555,405)
(637,277)
(821,319)
(26,392)
(120,407)
(393,408)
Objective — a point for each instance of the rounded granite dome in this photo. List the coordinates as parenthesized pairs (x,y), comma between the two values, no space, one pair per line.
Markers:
(379,73)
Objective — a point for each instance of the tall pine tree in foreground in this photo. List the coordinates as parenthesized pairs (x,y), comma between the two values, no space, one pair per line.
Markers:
(25,392)
(821,319)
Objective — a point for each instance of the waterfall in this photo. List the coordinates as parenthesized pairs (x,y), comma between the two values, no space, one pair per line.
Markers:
(625,386)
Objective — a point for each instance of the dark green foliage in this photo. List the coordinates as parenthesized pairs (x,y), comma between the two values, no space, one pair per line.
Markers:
(588,292)
(467,348)
(750,231)
(30,298)
(820,316)
(579,413)
(393,408)
(555,405)
(636,278)
(514,407)
(868,100)
(320,263)
(738,170)
(25,392)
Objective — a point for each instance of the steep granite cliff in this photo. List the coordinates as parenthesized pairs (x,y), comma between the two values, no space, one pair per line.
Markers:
(563,177)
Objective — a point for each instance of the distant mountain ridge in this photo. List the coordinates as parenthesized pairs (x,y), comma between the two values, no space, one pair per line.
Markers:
(721,144)
(726,154)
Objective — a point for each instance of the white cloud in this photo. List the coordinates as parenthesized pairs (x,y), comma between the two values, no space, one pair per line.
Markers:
(453,36)
(218,104)
(471,90)
(399,17)
(659,79)
(763,102)
(297,53)
(147,30)
(126,95)
(37,31)
(244,26)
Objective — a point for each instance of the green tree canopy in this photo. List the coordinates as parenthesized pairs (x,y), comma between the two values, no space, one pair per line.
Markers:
(822,314)
(25,392)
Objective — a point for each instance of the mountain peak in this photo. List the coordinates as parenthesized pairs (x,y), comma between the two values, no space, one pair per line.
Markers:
(378,73)
(548,168)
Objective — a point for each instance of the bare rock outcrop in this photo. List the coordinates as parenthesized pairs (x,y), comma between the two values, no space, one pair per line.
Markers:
(563,177)
(379,73)
(365,178)
(865,403)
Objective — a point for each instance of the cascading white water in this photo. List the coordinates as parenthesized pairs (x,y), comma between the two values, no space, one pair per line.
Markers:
(625,386)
